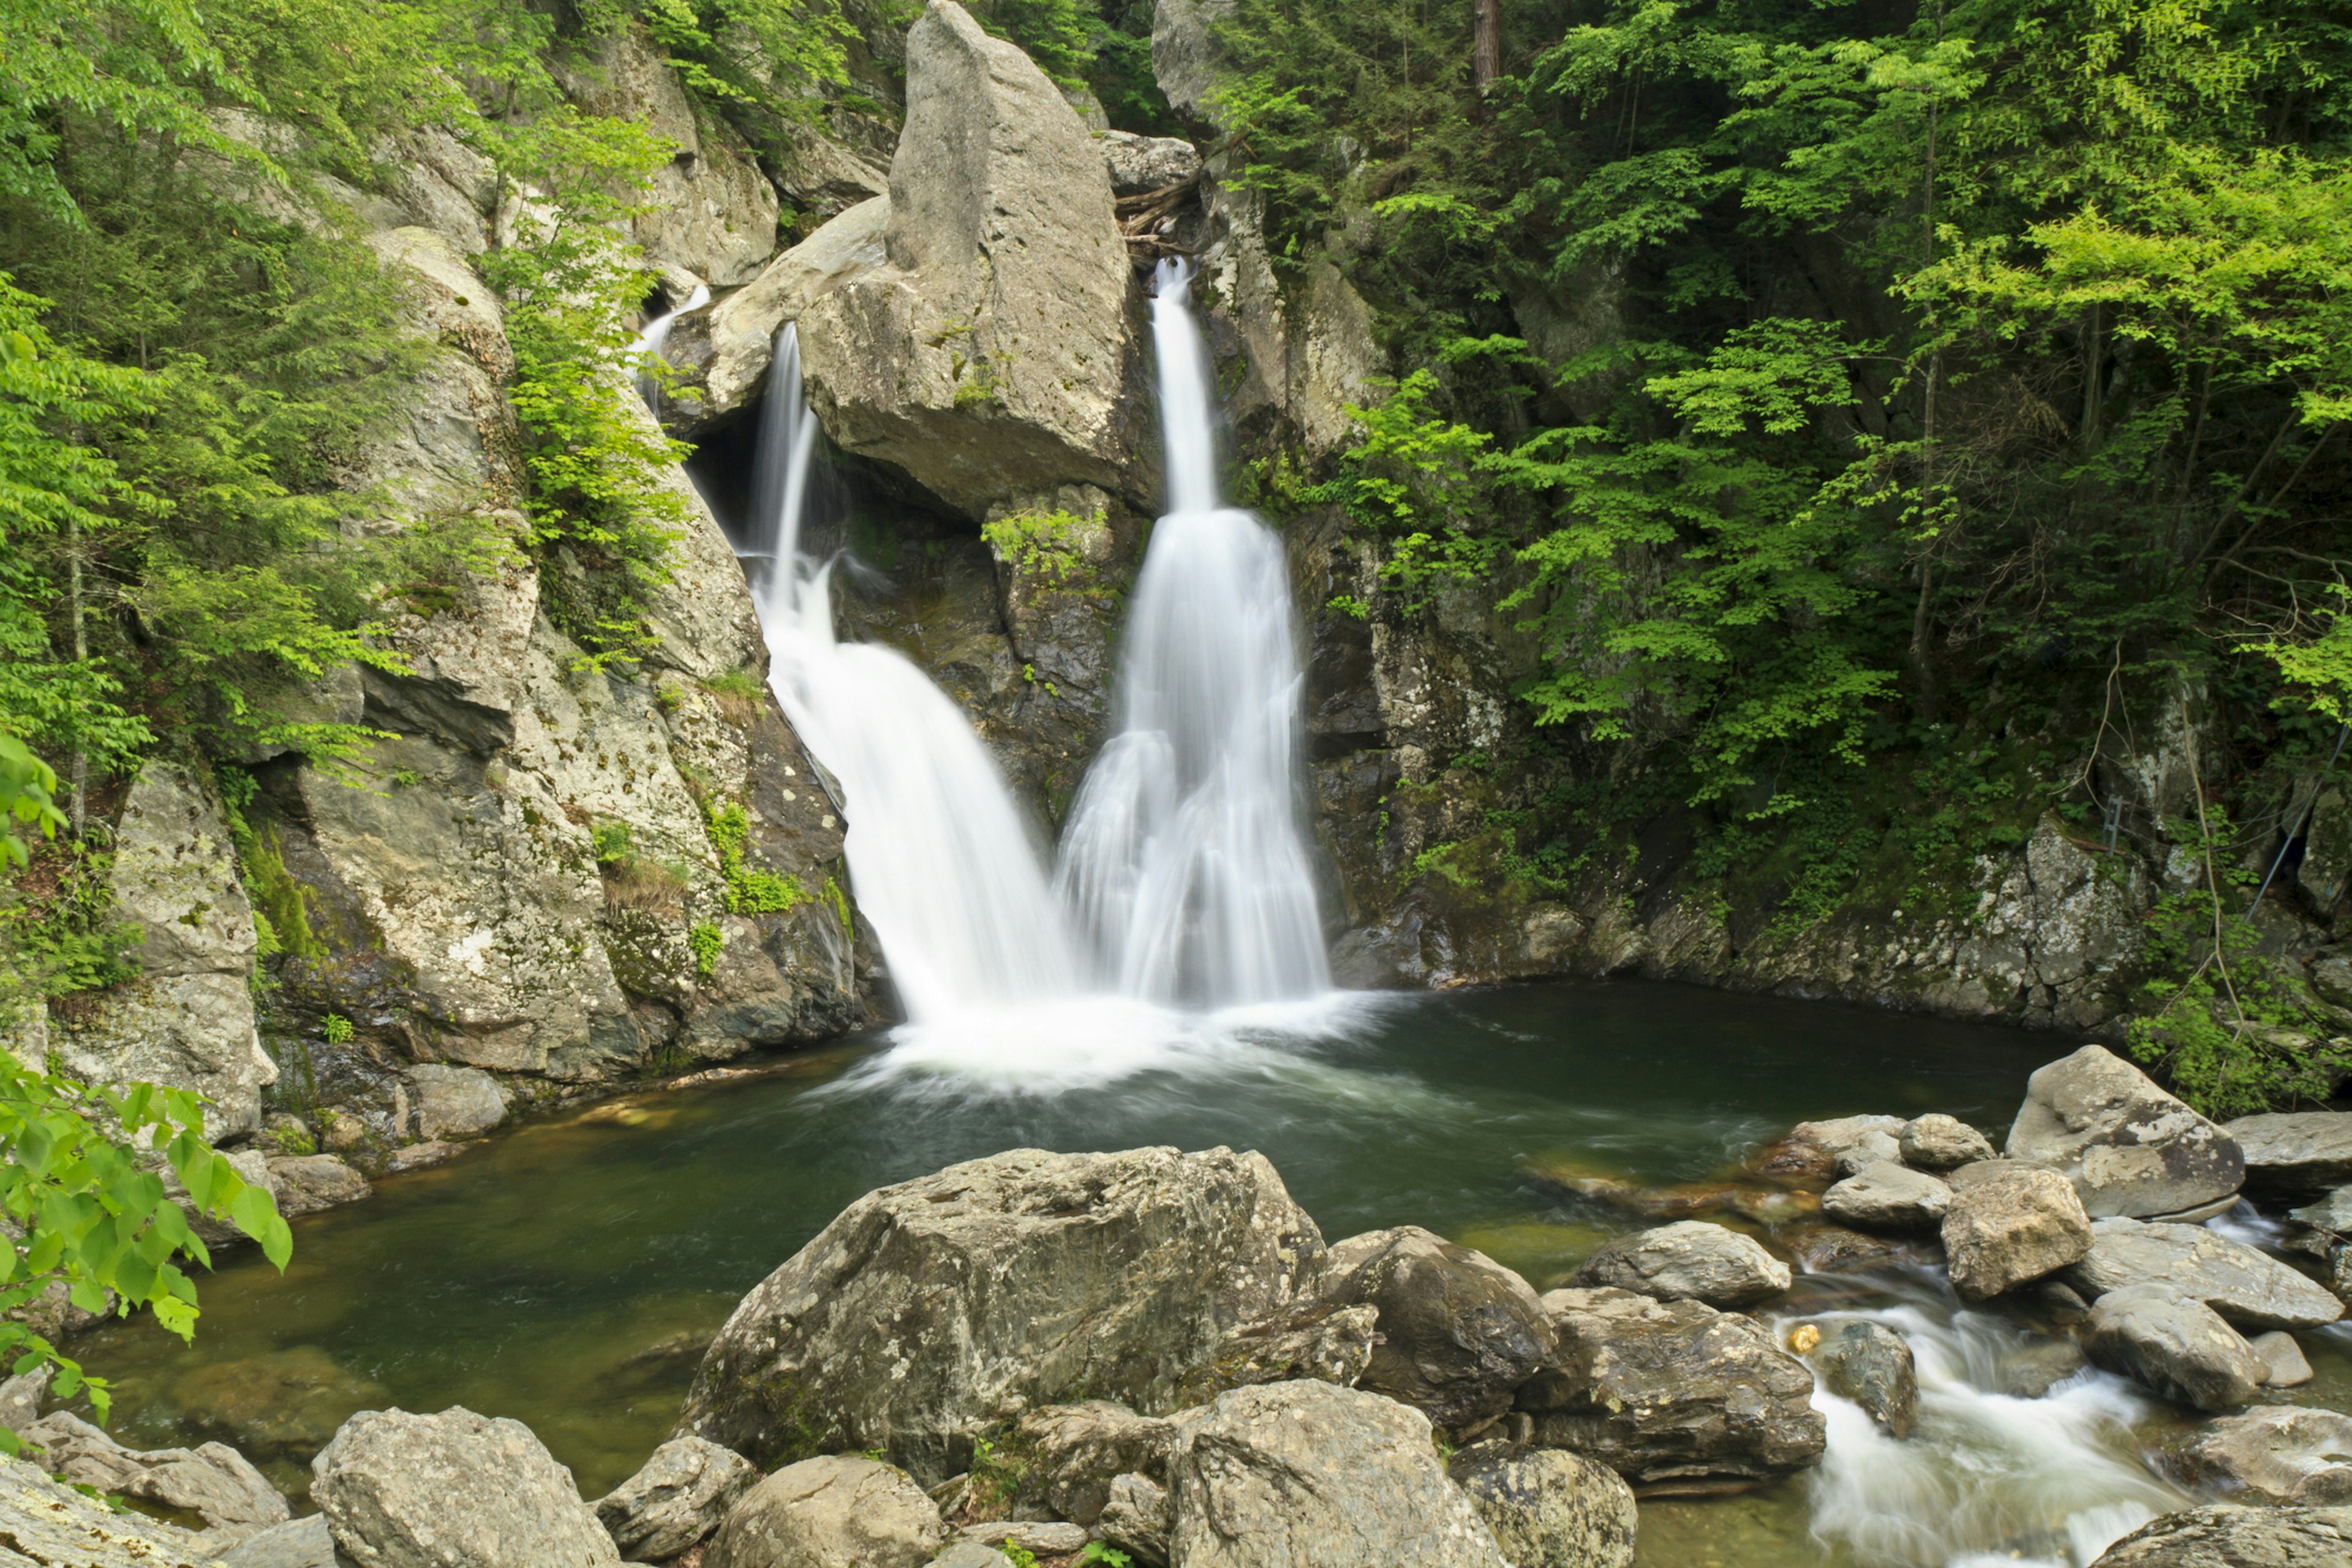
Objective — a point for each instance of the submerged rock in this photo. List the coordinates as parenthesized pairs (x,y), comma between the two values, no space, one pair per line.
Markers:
(2014,1225)
(676,1498)
(213,1480)
(1884,1196)
(285,1404)
(2280,1452)
(2228,1537)
(1548,1508)
(928,1312)
(1939,1143)
(2128,1147)
(2295,1155)
(825,1513)
(2170,1341)
(1304,1475)
(1458,1332)
(1692,1262)
(1872,1364)
(2251,1289)
(455,1489)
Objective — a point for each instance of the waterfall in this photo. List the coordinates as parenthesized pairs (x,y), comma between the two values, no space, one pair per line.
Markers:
(1183,864)
(650,340)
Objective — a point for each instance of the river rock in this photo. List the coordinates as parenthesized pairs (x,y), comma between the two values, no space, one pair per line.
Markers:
(1079,1449)
(2033,1368)
(50,1524)
(1038,1537)
(2168,1340)
(2013,1225)
(1458,1331)
(2288,1367)
(1872,1364)
(928,1312)
(1939,1143)
(308,1183)
(1869,1149)
(1317,1339)
(456,1102)
(2231,1537)
(2128,1147)
(1548,1508)
(1691,1261)
(452,1490)
(998,355)
(1135,1519)
(2280,1452)
(1307,1475)
(1887,1196)
(839,1512)
(1673,1396)
(283,1405)
(970,1554)
(2332,1214)
(21,1396)
(212,1480)
(1812,1148)
(306,1542)
(2295,1155)
(2251,1289)
(679,1496)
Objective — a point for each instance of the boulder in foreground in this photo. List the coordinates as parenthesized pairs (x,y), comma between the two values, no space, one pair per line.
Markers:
(2168,1340)
(50,1523)
(2278,1453)
(2013,1226)
(2230,1537)
(452,1491)
(1549,1508)
(2128,1147)
(676,1498)
(2251,1289)
(839,1512)
(1457,1332)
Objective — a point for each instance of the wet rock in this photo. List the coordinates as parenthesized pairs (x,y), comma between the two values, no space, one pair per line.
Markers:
(2251,1289)
(1811,1148)
(50,1524)
(1692,1262)
(1305,1475)
(1887,1196)
(1116,1273)
(821,1513)
(430,1491)
(2280,1452)
(1869,1149)
(308,1183)
(456,1103)
(1673,1396)
(676,1498)
(1872,1364)
(283,1406)
(212,1480)
(1939,1143)
(1832,1249)
(2287,1367)
(1548,1508)
(417,1156)
(2230,1537)
(2295,1155)
(1038,1537)
(1142,163)
(1458,1331)
(306,1542)
(2011,1228)
(2332,1214)
(1136,1518)
(1079,1449)
(2170,1341)
(2128,1147)
(1319,1340)
(2040,1365)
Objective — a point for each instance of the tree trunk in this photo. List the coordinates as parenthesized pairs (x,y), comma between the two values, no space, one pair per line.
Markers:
(1486,45)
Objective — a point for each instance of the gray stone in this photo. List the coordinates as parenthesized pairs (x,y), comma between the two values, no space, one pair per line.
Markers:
(2128,1147)
(1690,1261)
(1978,1171)
(2039,1364)
(1812,1148)
(1887,1196)
(2280,1452)
(839,1512)
(1458,1332)
(2287,1365)
(2251,1289)
(1939,1143)
(1140,164)
(48,1523)
(1548,1508)
(1871,1149)
(212,1480)
(1317,1339)
(2230,1537)
(20,1397)
(970,1554)
(1114,1273)
(306,1542)
(1038,1537)
(2009,1227)
(2332,1214)
(2295,1155)
(419,1156)
(1135,1519)
(1307,1475)
(1079,1449)
(452,1490)
(1186,55)
(676,1498)
(308,1183)
(2170,1341)
(1872,1364)
(456,1102)
(1673,1396)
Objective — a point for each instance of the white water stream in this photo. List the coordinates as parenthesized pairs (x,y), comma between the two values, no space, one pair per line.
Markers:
(651,337)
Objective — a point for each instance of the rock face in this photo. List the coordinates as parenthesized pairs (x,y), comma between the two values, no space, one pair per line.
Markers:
(214,1480)
(1690,1261)
(1549,1508)
(1940,1142)
(1318,1340)
(929,1310)
(1882,1195)
(2250,1289)
(1136,1518)
(435,1491)
(2128,1147)
(995,358)
(679,1496)
(2278,1453)
(456,1102)
(839,1512)
(1458,1332)
(2227,1537)
(1871,1364)
(2173,1343)
(1304,1475)
(2006,1229)
(2297,1155)
(50,1524)
(1674,1396)
(1080,1450)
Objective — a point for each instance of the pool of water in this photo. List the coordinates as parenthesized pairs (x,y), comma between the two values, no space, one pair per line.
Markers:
(567,1273)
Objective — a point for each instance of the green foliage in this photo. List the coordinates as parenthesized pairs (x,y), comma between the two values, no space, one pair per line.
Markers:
(1046,546)
(293,1139)
(706,941)
(27,800)
(1413,477)
(1103,1553)
(749,891)
(337,1029)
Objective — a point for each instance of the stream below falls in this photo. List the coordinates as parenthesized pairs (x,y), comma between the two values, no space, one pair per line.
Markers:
(568,1272)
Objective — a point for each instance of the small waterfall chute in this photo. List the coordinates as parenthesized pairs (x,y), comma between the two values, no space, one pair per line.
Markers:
(650,339)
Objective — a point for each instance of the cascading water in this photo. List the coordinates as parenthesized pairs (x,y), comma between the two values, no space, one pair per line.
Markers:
(1183,864)
(655,333)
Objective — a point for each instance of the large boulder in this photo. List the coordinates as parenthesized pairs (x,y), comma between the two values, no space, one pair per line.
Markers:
(1458,1332)
(676,1498)
(1548,1508)
(928,1312)
(2278,1453)
(2234,1537)
(2002,1231)
(54,1524)
(452,1490)
(1690,1261)
(838,1512)
(1306,1475)
(998,355)
(2251,1289)
(1673,1396)
(2295,1155)
(2128,1147)
(2170,1341)
(1884,1196)
(213,1480)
